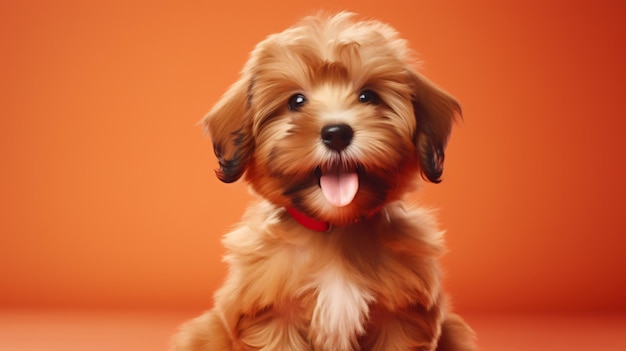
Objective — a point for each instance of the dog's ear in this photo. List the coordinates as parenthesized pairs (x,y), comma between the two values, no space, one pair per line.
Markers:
(229,125)
(435,111)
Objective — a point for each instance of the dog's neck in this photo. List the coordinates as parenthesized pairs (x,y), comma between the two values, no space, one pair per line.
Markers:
(317,225)
(308,222)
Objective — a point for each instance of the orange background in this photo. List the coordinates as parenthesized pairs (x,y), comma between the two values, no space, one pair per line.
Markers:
(108,197)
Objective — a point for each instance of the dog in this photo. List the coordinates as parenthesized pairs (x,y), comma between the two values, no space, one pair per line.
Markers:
(331,126)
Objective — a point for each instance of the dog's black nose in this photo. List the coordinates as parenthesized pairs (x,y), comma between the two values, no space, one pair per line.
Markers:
(337,136)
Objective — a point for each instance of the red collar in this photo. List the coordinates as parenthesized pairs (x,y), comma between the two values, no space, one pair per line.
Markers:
(320,226)
(308,222)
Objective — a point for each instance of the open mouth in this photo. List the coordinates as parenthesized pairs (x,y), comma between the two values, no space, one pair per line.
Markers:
(339,185)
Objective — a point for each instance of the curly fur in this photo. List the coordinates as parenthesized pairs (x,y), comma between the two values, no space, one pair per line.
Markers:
(373,281)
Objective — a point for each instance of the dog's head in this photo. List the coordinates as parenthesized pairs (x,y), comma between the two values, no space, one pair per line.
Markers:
(330,118)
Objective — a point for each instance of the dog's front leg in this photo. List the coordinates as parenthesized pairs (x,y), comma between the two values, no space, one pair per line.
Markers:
(205,333)
(409,328)
(272,329)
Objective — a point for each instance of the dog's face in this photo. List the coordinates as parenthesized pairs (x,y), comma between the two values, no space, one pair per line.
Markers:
(329,117)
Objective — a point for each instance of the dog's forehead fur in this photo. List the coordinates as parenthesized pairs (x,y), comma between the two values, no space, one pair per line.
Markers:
(328,33)
(328,38)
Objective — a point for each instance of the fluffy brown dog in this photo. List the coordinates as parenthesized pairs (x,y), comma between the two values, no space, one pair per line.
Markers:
(331,126)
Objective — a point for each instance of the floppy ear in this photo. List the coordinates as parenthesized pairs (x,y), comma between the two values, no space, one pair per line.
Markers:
(229,125)
(435,111)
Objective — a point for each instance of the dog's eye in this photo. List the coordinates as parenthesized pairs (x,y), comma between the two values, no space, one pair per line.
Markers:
(296,102)
(368,97)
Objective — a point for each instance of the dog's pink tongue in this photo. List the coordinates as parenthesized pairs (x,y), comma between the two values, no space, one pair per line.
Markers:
(339,188)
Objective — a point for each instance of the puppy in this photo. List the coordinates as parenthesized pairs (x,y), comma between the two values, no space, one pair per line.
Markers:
(331,126)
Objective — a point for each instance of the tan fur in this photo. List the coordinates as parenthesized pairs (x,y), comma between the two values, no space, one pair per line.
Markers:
(372,282)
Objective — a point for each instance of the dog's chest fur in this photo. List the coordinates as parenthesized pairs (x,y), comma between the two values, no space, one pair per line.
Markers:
(321,288)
